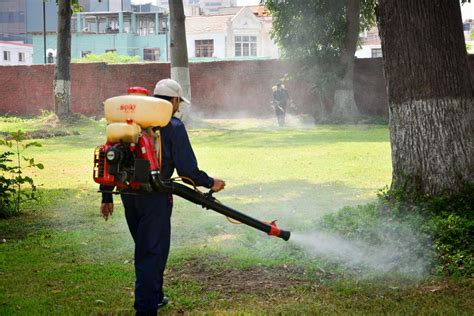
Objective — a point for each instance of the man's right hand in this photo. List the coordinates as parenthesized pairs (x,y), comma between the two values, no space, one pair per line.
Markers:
(106,210)
(218,185)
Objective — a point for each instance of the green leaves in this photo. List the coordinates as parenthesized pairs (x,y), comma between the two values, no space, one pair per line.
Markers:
(109,57)
(12,193)
(311,34)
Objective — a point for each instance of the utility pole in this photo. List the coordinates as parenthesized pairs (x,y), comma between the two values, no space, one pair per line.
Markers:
(44,30)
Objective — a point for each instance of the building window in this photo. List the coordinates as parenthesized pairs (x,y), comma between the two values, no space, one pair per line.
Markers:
(21,57)
(213,4)
(84,53)
(245,46)
(151,54)
(6,55)
(376,52)
(110,50)
(204,48)
(145,25)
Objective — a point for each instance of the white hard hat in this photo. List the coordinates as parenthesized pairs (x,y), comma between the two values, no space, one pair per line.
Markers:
(169,88)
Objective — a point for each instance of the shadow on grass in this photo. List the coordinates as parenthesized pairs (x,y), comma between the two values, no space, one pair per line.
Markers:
(57,209)
(297,203)
(298,206)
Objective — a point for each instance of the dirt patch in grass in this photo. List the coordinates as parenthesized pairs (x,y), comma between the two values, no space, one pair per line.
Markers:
(232,282)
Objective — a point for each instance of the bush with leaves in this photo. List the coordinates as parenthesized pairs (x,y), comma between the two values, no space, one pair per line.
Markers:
(443,226)
(109,58)
(12,181)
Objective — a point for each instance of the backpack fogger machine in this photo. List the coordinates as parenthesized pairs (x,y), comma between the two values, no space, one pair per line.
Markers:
(131,158)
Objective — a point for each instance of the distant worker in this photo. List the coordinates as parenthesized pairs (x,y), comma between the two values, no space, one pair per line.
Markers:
(50,58)
(280,101)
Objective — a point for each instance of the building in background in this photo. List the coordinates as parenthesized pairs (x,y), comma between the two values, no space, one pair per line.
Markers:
(126,33)
(147,7)
(213,6)
(206,6)
(16,53)
(241,35)
(20,18)
(13,20)
(105,5)
(371,46)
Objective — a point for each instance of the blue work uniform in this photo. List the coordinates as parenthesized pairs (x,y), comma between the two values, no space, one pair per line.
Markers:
(148,217)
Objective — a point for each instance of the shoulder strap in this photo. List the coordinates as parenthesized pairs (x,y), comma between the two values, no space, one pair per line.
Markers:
(157,143)
(158,146)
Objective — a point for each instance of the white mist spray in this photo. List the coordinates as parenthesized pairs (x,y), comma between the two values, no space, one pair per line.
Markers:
(392,255)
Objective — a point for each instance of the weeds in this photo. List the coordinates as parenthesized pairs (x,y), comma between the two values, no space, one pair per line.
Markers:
(12,180)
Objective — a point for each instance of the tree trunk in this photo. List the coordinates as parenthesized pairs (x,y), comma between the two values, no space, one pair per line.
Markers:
(430,92)
(345,107)
(62,75)
(178,48)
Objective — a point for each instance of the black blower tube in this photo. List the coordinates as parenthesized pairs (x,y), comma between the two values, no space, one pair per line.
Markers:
(207,201)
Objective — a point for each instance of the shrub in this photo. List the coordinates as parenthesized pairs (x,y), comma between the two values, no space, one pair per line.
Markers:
(12,180)
(442,227)
(109,58)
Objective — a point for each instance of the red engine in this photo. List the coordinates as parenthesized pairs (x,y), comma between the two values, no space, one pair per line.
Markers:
(126,165)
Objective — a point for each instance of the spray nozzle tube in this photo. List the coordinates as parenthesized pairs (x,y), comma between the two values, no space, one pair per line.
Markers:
(275,231)
(209,202)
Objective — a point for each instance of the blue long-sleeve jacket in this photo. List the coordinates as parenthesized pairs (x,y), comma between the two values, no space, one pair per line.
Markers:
(178,154)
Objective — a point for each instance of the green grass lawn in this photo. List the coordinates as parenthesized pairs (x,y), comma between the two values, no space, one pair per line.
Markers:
(61,257)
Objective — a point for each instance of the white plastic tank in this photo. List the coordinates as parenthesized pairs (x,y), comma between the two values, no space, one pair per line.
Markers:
(126,132)
(144,110)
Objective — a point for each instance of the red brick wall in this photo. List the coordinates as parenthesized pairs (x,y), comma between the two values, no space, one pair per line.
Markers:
(26,90)
(220,88)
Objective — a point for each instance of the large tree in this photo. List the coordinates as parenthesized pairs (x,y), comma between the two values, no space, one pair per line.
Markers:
(431,95)
(320,38)
(62,75)
(178,48)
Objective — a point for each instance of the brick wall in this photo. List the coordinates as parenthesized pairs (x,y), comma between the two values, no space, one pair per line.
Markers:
(26,90)
(219,88)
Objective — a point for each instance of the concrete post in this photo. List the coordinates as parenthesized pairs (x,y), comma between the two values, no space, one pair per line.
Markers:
(121,22)
(78,23)
(157,23)
(133,24)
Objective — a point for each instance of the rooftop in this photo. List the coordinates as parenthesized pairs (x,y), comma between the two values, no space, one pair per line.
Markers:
(258,10)
(218,22)
(207,23)
(16,44)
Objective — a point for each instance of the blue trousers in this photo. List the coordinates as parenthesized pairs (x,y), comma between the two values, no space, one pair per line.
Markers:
(148,218)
